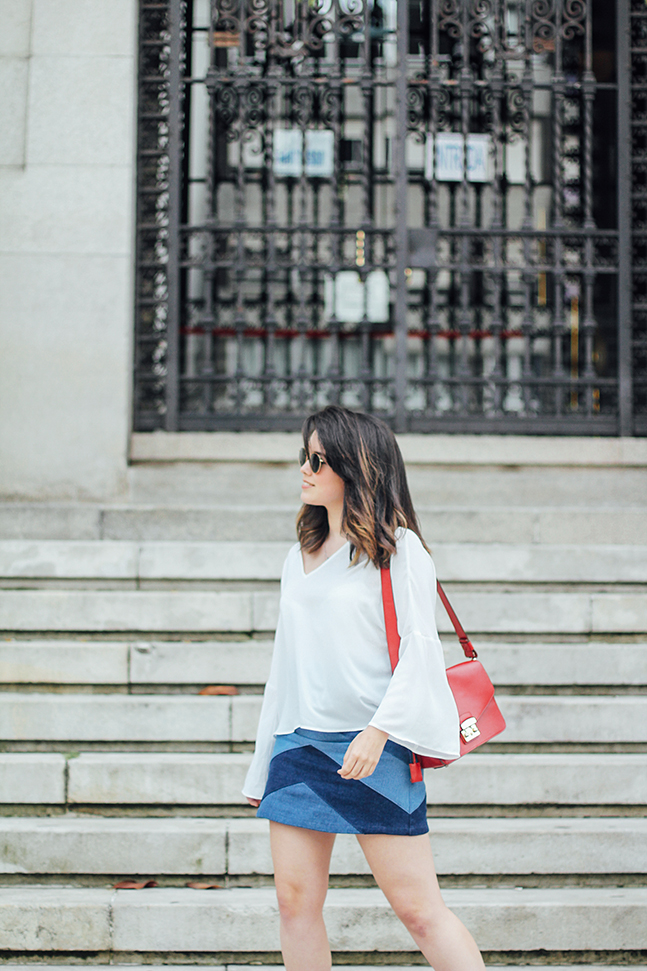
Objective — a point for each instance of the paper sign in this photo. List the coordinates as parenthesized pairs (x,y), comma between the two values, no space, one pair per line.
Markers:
(288,149)
(446,153)
(347,297)
(320,154)
(377,297)
(288,153)
(449,157)
(478,158)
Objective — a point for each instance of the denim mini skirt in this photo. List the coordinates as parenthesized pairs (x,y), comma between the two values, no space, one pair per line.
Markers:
(303,788)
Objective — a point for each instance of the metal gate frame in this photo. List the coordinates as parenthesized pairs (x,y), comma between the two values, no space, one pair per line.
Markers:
(625,362)
(626,422)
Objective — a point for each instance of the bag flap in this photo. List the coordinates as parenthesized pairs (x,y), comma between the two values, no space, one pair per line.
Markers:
(471,687)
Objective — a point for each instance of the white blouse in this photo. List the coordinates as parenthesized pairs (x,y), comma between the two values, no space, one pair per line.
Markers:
(330,669)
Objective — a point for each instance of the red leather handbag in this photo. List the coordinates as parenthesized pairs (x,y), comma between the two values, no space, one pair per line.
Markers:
(478,713)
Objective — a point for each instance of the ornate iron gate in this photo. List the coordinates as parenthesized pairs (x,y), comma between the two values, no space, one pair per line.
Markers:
(409,208)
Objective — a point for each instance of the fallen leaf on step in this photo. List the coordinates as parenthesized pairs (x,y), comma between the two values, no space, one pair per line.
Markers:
(133,885)
(219,689)
(204,886)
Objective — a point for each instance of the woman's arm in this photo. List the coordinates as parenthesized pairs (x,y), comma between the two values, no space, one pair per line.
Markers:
(418,709)
(363,754)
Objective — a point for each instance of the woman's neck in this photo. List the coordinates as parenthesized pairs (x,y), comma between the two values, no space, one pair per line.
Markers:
(334,523)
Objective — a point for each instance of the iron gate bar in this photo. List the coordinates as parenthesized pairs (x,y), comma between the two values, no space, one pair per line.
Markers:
(625,396)
(176,156)
(401,236)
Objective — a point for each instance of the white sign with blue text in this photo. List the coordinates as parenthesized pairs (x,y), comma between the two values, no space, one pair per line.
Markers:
(348,298)
(288,153)
(445,157)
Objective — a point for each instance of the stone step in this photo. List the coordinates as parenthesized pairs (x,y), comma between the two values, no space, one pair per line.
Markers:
(450,522)
(240,847)
(123,718)
(445,475)
(483,846)
(216,779)
(38,778)
(34,919)
(244,611)
(247,662)
(218,561)
(338,967)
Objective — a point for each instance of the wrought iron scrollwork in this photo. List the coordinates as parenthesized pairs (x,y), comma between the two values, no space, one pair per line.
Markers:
(449,18)
(543,24)
(574,19)
(481,24)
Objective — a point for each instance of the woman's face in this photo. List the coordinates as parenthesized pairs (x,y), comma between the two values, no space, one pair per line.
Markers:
(326,488)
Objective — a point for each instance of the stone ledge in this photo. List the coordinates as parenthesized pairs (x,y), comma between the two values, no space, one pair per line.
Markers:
(244,611)
(512,450)
(359,920)
(97,778)
(481,846)
(455,522)
(127,610)
(32,778)
(78,718)
(67,845)
(54,919)
(129,846)
(160,920)
(247,662)
(261,561)
(42,716)
(158,779)
(337,967)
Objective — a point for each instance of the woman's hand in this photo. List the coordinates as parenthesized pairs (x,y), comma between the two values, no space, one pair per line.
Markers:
(253,802)
(363,754)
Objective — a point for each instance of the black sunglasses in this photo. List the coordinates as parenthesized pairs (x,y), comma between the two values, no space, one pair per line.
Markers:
(315,459)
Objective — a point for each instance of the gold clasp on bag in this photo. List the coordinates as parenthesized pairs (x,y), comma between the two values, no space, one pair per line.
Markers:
(469,729)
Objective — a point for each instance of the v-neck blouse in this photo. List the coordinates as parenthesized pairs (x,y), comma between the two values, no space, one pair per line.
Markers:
(330,668)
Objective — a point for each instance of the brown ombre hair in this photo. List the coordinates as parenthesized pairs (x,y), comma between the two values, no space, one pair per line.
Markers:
(362,450)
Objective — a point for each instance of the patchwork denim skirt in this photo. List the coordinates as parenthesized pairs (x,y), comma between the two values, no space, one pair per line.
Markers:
(303,788)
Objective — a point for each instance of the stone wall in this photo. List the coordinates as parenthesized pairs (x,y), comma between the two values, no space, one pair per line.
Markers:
(67,169)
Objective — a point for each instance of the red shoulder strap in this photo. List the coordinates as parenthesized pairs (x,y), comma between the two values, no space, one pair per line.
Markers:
(466,644)
(391,620)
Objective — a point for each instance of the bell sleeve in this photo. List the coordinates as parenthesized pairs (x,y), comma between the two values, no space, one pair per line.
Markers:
(418,710)
(257,773)
(256,778)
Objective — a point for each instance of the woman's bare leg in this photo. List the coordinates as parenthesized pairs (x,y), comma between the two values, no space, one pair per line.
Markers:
(404,869)
(301,865)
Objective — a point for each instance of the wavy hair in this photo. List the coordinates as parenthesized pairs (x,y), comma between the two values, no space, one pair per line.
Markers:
(362,450)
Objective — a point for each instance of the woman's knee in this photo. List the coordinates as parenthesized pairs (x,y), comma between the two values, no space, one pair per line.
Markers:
(298,901)
(422,918)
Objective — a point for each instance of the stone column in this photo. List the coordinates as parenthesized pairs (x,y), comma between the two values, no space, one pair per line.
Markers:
(67,171)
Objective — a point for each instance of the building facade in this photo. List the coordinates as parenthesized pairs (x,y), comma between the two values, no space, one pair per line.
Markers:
(220,215)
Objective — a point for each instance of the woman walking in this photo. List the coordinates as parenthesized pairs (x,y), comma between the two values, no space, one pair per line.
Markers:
(337,727)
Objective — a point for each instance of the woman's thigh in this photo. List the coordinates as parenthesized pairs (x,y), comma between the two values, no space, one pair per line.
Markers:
(301,860)
(403,867)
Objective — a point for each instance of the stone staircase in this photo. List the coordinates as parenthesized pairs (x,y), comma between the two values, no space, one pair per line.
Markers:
(113,766)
